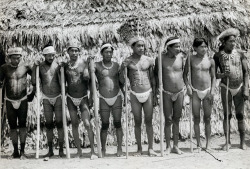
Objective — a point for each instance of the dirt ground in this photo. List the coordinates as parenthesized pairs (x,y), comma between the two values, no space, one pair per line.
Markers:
(234,159)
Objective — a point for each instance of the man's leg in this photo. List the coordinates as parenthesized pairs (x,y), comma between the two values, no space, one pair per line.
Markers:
(75,124)
(59,125)
(196,106)
(239,109)
(207,109)
(137,112)
(22,116)
(12,120)
(167,109)
(177,111)
(48,114)
(224,104)
(148,115)
(117,114)
(86,120)
(105,114)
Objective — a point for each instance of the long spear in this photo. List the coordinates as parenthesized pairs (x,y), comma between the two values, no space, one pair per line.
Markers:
(38,112)
(64,113)
(1,96)
(98,140)
(227,137)
(126,109)
(161,97)
(191,106)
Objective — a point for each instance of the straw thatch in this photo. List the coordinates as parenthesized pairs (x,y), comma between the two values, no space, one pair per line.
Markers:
(32,23)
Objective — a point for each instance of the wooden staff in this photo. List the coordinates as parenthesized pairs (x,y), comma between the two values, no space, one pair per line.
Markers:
(191,107)
(64,113)
(38,112)
(227,137)
(161,98)
(126,108)
(1,96)
(98,140)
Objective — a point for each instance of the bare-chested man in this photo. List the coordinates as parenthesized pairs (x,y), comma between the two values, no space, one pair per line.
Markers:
(201,88)
(173,90)
(15,76)
(233,65)
(108,76)
(142,81)
(77,79)
(49,73)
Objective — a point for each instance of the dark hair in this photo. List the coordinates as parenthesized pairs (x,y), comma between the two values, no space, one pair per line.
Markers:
(169,39)
(106,48)
(226,38)
(199,41)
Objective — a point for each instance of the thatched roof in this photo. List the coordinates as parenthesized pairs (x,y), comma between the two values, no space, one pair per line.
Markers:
(35,22)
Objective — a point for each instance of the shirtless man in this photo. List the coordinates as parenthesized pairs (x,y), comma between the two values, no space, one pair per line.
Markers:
(15,76)
(49,71)
(233,65)
(77,79)
(201,88)
(108,75)
(142,81)
(173,90)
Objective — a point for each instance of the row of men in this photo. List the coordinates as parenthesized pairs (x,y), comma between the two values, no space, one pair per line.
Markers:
(143,77)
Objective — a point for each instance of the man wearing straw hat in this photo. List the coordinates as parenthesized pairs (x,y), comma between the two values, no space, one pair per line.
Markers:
(15,75)
(49,71)
(77,78)
(234,82)
(173,90)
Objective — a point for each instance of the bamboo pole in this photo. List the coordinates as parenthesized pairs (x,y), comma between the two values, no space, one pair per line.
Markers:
(191,107)
(64,113)
(98,140)
(161,98)
(38,112)
(227,137)
(126,109)
(1,96)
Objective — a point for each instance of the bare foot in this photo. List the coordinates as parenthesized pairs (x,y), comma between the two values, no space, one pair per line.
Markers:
(23,156)
(103,153)
(177,150)
(199,149)
(224,147)
(14,155)
(152,153)
(138,153)
(49,154)
(61,153)
(243,146)
(93,156)
(209,149)
(168,150)
(78,154)
(119,153)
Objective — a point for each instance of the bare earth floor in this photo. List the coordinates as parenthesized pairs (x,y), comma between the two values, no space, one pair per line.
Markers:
(234,159)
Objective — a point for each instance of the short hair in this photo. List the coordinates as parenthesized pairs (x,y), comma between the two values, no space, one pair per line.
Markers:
(169,39)
(199,41)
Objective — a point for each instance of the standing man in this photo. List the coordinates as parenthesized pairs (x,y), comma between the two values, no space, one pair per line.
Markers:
(15,76)
(49,72)
(201,88)
(173,90)
(233,66)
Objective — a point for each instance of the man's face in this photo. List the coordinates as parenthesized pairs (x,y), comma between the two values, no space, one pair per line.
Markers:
(202,49)
(230,42)
(49,57)
(139,48)
(73,53)
(107,54)
(175,49)
(15,59)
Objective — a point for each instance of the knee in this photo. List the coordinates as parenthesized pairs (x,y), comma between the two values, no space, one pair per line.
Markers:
(197,120)
(22,124)
(59,124)
(86,124)
(138,122)
(49,126)
(74,125)
(207,120)
(148,122)
(105,126)
(117,124)
(176,119)
(239,116)
(13,126)
(168,121)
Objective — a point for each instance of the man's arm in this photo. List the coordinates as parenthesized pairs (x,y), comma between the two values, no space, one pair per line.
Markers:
(153,85)
(213,77)
(2,75)
(245,76)
(186,71)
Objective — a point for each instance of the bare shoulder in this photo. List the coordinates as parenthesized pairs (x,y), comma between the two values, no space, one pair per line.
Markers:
(242,53)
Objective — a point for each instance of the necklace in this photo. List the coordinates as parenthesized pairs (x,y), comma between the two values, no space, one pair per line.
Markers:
(108,68)
(75,65)
(13,66)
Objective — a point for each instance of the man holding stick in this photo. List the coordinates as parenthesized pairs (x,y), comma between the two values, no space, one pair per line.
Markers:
(15,76)
(233,68)
(49,74)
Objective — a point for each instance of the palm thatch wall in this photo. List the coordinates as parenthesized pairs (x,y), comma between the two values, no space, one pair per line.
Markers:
(32,23)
